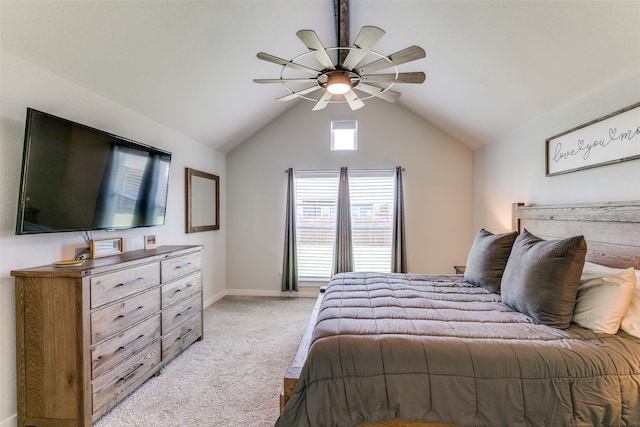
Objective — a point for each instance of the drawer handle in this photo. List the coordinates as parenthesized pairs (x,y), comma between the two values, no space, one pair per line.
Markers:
(131,313)
(183,265)
(185,334)
(182,289)
(130,374)
(184,312)
(126,346)
(130,282)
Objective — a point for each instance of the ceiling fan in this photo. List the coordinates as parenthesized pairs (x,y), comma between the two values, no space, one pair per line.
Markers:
(343,80)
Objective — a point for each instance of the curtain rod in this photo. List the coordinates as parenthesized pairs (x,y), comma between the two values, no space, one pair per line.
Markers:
(338,170)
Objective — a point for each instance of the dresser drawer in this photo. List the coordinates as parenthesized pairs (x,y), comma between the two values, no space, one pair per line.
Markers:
(181,337)
(111,386)
(113,286)
(180,266)
(117,317)
(114,350)
(179,312)
(181,288)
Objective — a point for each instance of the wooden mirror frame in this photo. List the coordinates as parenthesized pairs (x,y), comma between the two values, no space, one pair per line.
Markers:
(201,210)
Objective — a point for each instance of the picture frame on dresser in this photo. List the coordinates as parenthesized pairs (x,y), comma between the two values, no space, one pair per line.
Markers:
(105,247)
(150,241)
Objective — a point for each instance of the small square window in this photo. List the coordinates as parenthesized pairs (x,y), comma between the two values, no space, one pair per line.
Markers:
(344,135)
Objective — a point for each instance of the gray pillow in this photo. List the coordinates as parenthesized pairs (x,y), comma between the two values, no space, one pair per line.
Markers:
(542,276)
(487,259)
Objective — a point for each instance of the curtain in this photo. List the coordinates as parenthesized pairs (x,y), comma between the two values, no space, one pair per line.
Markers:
(290,260)
(343,246)
(398,239)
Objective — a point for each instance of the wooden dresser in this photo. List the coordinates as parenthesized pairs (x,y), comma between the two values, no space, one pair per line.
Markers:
(88,335)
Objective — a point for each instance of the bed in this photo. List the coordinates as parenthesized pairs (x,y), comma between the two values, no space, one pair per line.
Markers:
(441,349)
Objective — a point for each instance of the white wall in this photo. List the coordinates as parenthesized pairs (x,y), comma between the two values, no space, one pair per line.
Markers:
(25,85)
(513,168)
(437,184)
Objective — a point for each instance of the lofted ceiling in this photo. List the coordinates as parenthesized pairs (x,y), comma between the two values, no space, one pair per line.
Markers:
(491,66)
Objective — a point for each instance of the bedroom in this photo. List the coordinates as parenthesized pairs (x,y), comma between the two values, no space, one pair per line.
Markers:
(480,183)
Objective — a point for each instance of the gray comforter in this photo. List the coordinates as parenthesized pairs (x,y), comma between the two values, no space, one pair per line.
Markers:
(436,349)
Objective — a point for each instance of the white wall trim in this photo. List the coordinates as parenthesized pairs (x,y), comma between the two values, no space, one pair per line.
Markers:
(213,299)
(12,421)
(265,293)
(310,292)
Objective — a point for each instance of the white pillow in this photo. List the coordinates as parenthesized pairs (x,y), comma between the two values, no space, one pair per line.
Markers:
(591,270)
(631,321)
(604,296)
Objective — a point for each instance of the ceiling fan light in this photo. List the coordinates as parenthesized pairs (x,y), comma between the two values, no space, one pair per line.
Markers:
(338,84)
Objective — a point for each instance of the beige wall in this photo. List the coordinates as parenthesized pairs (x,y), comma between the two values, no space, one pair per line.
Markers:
(23,85)
(437,184)
(513,169)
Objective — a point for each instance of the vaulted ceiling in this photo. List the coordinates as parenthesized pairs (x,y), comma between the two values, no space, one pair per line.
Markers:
(491,66)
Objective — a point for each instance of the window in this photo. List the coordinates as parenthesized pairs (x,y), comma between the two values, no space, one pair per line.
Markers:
(316,202)
(372,194)
(371,219)
(344,135)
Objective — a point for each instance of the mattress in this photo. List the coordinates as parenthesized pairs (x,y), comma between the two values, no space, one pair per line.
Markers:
(436,349)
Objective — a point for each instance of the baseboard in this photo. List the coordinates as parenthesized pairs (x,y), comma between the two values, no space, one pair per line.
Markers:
(12,421)
(303,293)
(261,293)
(211,300)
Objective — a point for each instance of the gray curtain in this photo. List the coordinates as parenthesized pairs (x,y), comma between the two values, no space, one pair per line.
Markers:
(398,242)
(343,249)
(290,261)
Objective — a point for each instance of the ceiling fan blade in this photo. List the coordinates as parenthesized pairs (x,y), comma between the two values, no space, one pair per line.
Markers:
(367,37)
(280,61)
(322,102)
(387,95)
(284,80)
(294,95)
(406,55)
(311,40)
(352,99)
(416,77)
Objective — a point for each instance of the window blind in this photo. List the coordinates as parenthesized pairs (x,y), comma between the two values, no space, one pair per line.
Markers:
(316,202)
(371,194)
(372,219)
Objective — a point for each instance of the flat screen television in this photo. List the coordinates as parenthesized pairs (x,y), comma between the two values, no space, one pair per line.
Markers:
(77,178)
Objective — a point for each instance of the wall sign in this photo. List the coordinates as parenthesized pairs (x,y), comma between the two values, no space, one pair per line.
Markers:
(611,139)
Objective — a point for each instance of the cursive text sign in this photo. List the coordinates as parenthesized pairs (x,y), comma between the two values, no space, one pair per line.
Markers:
(610,139)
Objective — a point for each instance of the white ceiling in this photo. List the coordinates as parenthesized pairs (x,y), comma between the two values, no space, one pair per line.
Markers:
(491,66)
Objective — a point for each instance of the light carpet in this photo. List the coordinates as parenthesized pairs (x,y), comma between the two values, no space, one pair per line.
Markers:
(231,378)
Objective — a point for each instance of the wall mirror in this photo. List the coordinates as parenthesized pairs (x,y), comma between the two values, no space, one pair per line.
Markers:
(203,201)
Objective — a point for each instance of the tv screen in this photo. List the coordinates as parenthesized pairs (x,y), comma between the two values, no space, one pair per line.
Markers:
(76,178)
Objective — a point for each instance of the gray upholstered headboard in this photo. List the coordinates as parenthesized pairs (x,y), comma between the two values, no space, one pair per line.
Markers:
(611,229)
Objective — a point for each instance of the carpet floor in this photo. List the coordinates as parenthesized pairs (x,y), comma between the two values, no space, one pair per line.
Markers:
(231,378)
